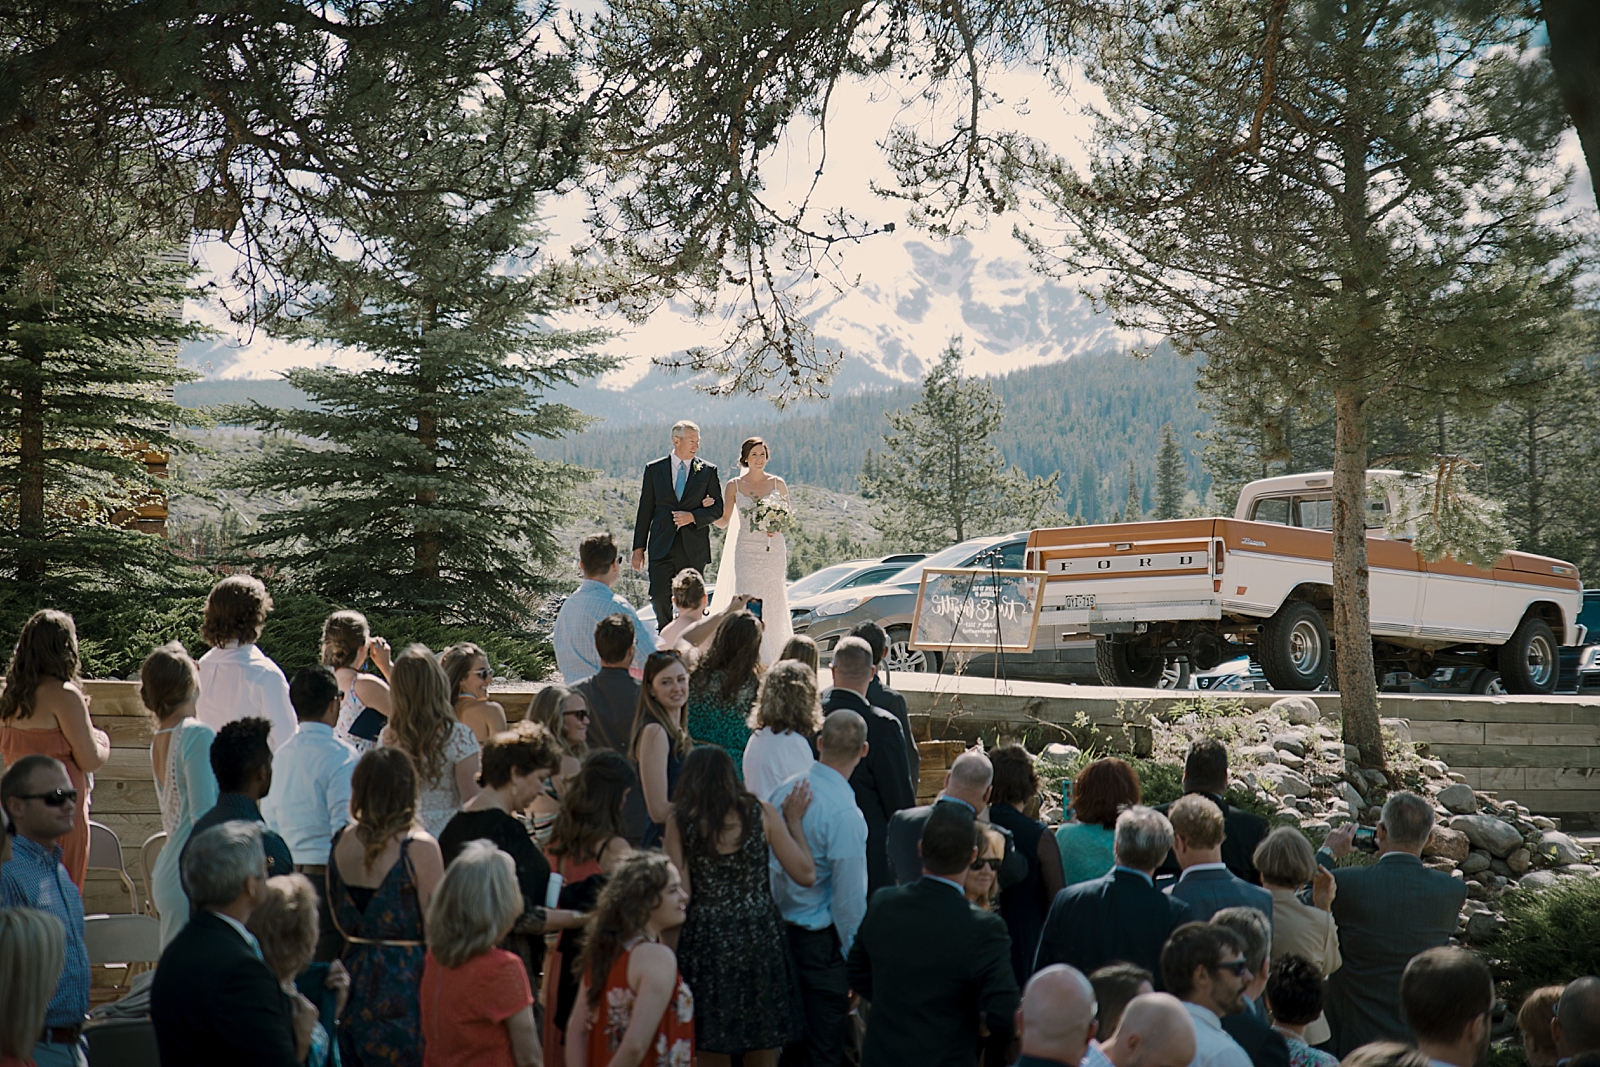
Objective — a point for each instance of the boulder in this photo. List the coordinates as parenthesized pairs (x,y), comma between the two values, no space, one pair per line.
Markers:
(1287,783)
(1475,861)
(1401,728)
(1447,843)
(1286,817)
(1488,833)
(1352,753)
(1302,711)
(1560,849)
(1257,754)
(1581,868)
(1544,822)
(1317,826)
(1538,880)
(1059,753)
(1289,743)
(1459,799)
(1499,867)
(1376,780)
(1352,797)
(1290,760)
(1484,925)
(1519,861)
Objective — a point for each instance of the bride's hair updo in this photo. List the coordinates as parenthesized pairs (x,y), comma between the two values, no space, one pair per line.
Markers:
(750,443)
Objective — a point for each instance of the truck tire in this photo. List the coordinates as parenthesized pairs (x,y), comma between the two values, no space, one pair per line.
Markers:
(1119,664)
(1294,651)
(1528,661)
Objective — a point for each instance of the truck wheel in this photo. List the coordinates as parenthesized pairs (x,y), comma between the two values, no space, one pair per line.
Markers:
(900,656)
(1120,664)
(1294,647)
(1528,661)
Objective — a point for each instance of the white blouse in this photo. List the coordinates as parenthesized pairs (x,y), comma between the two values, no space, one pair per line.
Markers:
(771,759)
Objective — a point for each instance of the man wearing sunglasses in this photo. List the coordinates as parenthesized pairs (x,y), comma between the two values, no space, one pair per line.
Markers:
(39,800)
(1204,966)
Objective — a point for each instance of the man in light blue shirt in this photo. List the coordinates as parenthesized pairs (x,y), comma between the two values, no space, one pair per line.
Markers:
(823,917)
(310,797)
(593,600)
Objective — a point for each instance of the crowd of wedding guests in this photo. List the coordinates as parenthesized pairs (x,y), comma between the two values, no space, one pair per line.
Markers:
(682,856)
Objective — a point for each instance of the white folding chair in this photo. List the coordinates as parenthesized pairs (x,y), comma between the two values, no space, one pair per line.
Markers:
(147,860)
(105,854)
(133,940)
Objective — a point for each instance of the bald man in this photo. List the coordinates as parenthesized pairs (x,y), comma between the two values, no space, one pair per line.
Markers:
(1155,1031)
(1056,1019)
(968,783)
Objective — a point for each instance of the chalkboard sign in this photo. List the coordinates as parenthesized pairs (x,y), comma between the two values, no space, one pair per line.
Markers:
(977,610)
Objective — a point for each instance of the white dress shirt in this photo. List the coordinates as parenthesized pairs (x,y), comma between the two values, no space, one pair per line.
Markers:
(240,682)
(310,795)
(1212,1045)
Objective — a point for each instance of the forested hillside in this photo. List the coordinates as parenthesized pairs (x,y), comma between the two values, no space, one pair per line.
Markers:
(1086,417)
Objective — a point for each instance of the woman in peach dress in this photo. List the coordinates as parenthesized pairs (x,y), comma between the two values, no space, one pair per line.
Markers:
(44,711)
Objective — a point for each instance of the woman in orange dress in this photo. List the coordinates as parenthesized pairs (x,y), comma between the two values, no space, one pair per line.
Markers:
(633,1008)
(587,841)
(44,711)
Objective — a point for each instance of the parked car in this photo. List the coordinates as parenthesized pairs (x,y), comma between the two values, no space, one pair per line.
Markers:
(1241,675)
(851,574)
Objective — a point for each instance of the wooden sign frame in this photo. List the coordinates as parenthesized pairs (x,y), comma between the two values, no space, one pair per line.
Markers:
(996,645)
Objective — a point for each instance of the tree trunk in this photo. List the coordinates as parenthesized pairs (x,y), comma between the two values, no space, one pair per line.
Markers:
(1574,27)
(30,467)
(1352,626)
(425,558)
(1535,497)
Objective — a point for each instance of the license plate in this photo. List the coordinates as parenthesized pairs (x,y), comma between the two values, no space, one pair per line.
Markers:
(1078,602)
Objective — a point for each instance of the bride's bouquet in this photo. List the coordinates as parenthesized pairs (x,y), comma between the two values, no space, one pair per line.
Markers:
(772,515)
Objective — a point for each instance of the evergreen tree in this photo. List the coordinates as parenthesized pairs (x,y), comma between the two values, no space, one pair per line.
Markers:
(1321,197)
(1133,510)
(940,478)
(87,364)
(1172,477)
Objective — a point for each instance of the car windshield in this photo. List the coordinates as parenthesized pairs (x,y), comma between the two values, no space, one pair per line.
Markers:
(820,581)
(954,556)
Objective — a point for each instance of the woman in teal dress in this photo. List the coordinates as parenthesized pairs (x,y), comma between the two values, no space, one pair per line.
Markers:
(1102,789)
(180,759)
(722,688)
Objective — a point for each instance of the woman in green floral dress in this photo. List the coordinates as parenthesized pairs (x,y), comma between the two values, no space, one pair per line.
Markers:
(722,688)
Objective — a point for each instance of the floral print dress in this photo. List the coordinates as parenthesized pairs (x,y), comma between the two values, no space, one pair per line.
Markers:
(385,956)
(674,1042)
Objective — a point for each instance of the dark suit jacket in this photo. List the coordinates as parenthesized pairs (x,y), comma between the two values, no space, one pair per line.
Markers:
(1242,831)
(213,1001)
(1386,913)
(881,696)
(1208,892)
(1118,916)
(931,965)
(236,807)
(653,528)
(1264,1045)
(905,862)
(881,781)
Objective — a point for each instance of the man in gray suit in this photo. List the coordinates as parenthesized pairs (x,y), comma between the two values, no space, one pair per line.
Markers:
(1206,884)
(1387,913)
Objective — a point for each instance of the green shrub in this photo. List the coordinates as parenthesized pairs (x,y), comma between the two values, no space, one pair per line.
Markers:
(1552,935)
(1159,783)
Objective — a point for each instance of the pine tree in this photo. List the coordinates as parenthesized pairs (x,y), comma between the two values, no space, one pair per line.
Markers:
(1368,226)
(1172,477)
(1133,510)
(940,478)
(423,487)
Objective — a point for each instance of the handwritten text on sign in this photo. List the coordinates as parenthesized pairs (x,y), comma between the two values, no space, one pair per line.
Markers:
(977,610)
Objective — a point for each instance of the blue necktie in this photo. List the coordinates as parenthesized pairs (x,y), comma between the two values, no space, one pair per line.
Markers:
(681,480)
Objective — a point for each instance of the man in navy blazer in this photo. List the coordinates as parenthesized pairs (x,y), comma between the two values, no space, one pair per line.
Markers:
(1206,884)
(680,498)
(1121,916)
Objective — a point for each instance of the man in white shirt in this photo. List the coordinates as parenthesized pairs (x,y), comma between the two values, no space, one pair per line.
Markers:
(237,679)
(1204,966)
(1155,1031)
(1447,995)
(310,798)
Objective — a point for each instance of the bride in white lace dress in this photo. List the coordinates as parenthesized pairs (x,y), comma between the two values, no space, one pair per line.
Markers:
(755,564)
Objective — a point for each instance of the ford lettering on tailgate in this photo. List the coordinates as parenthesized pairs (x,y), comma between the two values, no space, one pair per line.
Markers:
(1130,563)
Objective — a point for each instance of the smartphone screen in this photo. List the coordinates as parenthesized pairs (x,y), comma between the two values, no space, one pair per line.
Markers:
(754,607)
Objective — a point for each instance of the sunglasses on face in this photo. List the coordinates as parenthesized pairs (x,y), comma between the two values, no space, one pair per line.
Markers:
(56,798)
(992,864)
(483,672)
(581,714)
(1239,967)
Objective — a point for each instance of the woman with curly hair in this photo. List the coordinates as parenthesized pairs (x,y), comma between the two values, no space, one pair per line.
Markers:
(722,688)
(381,876)
(587,842)
(565,714)
(237,679)
(467,667)
(44,712)
(424,725)
(633,1008)
(347,646)
(787,714)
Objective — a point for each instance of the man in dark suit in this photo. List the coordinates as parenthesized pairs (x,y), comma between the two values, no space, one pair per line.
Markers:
(881,696)
(1386,913)
(1122,915)
(930,965)
(213,1000)
(1205,771)
(881,782)
(1206,884)
(968,783)
(1250,1027)
(680,499)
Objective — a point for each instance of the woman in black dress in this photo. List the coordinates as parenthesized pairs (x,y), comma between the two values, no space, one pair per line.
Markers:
(733,950)
(1025,904)
(516,765)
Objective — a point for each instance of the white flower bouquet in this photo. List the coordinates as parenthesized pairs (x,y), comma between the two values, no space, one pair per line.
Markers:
(772,515)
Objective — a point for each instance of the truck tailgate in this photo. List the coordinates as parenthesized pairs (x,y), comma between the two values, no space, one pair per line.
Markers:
(1127,572)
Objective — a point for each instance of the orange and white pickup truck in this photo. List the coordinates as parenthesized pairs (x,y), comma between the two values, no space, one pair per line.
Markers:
(1261,583)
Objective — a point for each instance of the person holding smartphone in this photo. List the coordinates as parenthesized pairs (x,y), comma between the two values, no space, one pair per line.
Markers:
(347,646)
